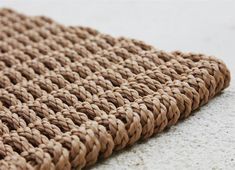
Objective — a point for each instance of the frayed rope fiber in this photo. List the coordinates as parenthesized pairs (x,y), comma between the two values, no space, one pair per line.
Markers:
(71,95)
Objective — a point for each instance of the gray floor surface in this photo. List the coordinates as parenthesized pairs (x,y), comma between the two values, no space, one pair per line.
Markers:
(206,140)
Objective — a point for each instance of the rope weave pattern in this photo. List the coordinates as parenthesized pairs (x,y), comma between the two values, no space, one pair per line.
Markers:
(71,95)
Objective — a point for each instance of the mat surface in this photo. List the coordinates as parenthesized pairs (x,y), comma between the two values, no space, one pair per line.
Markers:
(71,95)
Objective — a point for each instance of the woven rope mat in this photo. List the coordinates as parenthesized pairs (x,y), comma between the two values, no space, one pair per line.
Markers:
(71,95)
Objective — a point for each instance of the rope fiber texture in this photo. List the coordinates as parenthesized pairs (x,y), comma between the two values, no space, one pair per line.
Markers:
(70,95)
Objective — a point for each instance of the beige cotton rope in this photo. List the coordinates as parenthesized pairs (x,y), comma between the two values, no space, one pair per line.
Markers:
(71,95)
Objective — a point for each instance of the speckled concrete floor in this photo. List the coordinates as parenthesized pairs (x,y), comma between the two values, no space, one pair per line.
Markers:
(206,140)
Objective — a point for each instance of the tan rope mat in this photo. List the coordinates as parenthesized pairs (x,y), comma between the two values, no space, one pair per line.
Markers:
(71,95)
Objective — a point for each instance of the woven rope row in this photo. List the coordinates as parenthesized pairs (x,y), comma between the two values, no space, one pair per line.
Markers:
(71,95)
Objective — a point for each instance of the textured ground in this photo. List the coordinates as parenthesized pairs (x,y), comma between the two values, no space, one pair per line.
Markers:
(207,139)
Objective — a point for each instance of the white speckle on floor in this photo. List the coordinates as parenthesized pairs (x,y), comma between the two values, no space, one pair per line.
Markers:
(206,140)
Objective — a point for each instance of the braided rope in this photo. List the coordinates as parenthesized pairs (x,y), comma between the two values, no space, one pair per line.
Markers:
(70,95)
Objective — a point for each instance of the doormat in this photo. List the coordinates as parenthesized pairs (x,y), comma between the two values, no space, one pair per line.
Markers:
(72,95)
